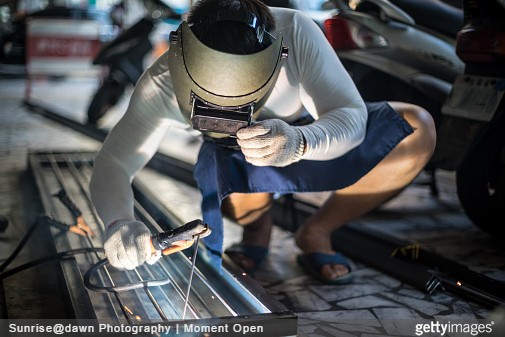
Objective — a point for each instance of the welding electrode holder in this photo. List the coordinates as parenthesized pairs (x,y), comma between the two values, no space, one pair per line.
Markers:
(187,232)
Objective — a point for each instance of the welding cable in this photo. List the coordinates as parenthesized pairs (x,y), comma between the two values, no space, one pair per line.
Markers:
(23,241)
(119,288)
(56,256)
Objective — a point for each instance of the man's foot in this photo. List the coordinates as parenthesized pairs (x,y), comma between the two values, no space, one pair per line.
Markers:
(313,263)
(319,258)
(246,256)
(253,249)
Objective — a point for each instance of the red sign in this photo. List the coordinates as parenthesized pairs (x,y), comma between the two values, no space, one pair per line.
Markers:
(46,46)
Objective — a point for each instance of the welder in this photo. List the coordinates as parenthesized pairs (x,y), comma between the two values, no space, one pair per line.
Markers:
(278,114)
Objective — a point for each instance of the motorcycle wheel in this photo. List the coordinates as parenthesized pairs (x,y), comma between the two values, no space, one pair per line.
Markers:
(106,97)
(480,180)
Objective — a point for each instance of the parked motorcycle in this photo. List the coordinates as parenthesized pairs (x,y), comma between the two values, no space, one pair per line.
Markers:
(124,57)
(449,60)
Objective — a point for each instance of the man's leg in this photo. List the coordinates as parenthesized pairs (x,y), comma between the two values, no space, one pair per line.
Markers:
(383,182)
(251,211)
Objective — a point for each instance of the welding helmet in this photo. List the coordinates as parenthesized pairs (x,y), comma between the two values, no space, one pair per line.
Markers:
(219,92)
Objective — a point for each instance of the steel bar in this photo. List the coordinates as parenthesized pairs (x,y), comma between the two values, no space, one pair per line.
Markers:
(193,264)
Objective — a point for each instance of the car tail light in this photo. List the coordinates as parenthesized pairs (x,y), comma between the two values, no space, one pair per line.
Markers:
(346,34)
(480,46)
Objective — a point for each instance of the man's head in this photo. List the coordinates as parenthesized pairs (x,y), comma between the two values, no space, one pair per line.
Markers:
(225,64)
(225,34)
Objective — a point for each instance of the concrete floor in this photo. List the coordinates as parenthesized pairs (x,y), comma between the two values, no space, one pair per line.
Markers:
(375,304)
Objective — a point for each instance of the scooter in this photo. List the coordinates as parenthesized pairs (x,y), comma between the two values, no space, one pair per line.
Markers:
(432,54)
(124,58)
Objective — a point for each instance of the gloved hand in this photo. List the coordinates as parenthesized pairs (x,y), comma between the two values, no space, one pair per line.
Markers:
(271,142)
(128,244)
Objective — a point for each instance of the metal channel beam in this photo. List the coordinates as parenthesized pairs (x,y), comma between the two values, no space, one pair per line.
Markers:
(227,298)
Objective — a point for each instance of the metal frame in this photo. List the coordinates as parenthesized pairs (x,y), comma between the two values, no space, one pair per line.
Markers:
(228,297)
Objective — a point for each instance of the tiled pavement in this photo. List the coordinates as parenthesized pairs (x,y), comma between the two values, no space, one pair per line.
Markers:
(375,304)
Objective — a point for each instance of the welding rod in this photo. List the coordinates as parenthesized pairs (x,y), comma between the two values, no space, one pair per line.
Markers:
(193,264)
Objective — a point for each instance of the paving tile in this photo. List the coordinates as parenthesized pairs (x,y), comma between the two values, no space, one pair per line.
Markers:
(364,317)
(366,302)
(338,293)
(412,293)
(292,284)
(423,306)
(356,328)
(316,335)
(398,321)
(334,332)
(303,300)
(388,281)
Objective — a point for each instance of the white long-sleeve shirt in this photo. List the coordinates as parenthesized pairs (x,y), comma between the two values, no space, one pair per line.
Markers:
(311,79)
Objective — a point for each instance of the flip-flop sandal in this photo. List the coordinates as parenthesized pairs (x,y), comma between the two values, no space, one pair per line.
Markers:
(256,253)
(313,262)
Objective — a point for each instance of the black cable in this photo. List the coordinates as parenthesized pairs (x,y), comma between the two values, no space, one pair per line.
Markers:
(22,243)
(124,287)
(87,277)
(61,255)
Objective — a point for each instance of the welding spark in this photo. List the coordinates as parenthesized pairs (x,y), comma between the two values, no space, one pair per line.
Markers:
(459,284)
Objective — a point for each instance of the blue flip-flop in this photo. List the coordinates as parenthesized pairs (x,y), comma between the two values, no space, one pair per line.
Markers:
(256,253)
(313,262)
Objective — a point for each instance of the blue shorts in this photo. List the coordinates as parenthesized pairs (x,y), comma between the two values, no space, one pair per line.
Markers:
(221,171)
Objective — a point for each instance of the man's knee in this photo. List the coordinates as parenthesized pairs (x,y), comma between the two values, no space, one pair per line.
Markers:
(421,121)
(246,208)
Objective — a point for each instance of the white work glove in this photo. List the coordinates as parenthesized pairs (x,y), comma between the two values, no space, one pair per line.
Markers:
(271,142)
(128,244)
